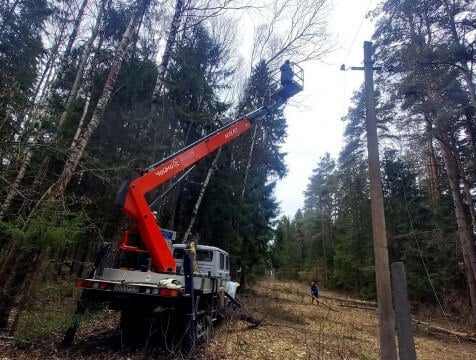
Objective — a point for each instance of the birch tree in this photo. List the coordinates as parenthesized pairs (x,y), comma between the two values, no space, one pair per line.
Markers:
(73,160)
(169,46)
(13,278)
(82,65)
(37,115)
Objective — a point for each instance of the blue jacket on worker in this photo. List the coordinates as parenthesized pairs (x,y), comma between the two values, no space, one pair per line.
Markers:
(314,290)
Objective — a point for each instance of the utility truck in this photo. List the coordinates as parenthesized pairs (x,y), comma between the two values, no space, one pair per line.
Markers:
(175,290)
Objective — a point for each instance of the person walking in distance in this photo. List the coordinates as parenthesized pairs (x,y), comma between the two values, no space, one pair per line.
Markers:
(314,293)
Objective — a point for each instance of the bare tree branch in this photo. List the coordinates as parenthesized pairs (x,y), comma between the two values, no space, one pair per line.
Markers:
(294,29)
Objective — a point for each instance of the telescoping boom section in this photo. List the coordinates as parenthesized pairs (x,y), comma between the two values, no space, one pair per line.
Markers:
(131,196)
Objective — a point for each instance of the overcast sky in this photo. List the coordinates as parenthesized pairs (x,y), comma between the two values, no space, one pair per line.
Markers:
(314,120)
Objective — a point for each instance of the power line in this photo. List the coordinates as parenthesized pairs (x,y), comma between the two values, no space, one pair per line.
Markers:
(344,92)
(358,30)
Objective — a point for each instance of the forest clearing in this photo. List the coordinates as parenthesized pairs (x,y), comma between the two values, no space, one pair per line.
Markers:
(142,145)
(290,328)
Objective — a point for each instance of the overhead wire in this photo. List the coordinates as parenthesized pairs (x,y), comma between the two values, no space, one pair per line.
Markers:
(344,91)
(358,30)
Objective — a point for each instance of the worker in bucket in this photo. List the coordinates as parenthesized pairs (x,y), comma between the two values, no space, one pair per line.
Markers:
(286,73)
(314,293)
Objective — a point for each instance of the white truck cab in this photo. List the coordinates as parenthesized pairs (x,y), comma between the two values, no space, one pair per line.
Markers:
(211,260)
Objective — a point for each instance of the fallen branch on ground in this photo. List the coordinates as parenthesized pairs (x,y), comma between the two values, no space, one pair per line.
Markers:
(249,319)
(465,336)
(354,301)
(359,306)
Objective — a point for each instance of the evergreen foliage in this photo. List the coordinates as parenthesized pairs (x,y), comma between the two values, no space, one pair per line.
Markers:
(245,180)
(21,49)
(53,227)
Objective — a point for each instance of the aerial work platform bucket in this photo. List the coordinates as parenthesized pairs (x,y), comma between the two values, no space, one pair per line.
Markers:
(292,81)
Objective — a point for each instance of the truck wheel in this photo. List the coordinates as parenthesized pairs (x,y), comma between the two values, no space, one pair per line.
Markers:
(135,326)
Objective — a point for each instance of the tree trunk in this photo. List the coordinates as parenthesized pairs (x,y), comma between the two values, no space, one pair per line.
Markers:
(74,33)
(458,334)
(451,161)
(35,116)
(36,119)
(17,275)
(13,188)
(72,95)
(462,65)
(7,263)
(82,120)
(465,236)
(162,70)
(174,206)
(35,267)
(210,172)
(433,174)
(470,130)
(82,65)
(72,162)
(169,45)
(248,164)
(467,191)
(21,272)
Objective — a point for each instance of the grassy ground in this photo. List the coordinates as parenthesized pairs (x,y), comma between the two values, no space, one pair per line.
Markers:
(293,328)
(290,328)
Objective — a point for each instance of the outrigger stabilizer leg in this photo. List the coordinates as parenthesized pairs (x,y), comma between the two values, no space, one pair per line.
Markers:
(70,333)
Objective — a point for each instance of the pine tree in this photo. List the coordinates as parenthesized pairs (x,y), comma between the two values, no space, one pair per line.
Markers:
(432,93)
(242,182)
(414,233)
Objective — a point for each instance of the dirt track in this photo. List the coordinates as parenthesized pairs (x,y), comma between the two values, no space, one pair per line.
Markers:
(291,328)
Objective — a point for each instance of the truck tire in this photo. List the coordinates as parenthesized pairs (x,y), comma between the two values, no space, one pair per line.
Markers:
(135,326)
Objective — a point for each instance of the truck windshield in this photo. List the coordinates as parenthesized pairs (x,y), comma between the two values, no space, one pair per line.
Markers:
(202,255)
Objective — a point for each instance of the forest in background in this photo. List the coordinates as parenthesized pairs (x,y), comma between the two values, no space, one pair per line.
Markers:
(91,92)
(425,95)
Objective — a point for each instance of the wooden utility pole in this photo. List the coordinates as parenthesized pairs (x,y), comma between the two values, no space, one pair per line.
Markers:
(388,350)
(406,341)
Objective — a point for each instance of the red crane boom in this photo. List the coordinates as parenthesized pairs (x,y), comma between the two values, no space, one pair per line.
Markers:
(131,196)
